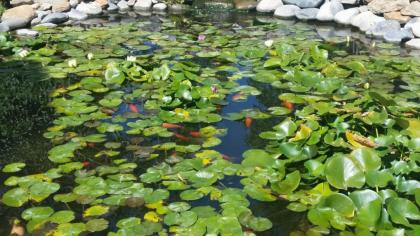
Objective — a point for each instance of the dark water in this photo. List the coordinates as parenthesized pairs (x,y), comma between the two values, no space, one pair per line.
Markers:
(24,112)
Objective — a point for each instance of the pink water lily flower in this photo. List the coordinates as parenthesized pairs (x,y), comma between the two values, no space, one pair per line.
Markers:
(201,38)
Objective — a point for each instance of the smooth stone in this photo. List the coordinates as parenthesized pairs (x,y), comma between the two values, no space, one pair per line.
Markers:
(307,14)
(349,2)
(268,5)
(27,32)
(366,20)
(102,3)
(305,3)
(46,25)
(396,15)
(328,10)
(398,36)
(383,6)
(77,15)
(4,27)
(245,4)
(60,5)
(383,27)
(414,43)
(18,17)
(41,14)
(112,7)
(344,17)
(55,18)
(131,3)
(73,3)
(412,10)
(363,8)
(36,21)
(91,8)
(410,23)
(286,11)
(159,7)
(123,6)
(143,5)
(45,7)
(416,29)
(16,3)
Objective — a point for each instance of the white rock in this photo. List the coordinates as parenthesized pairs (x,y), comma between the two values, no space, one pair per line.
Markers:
(77,15)
(45,6)
(307,14)
(4,27)
(131,3)
(123,6)
(36,21)
(73,3)
(27,32)
(55,18)
(414,43)
(47,25)
(143,5)
(91,8)
(159,7)
(328,10)
(416,29)
(286,11)
(344,17)
(383,27)
(351,2)
(366,20)
(398,36)
(268,5)
(410,24)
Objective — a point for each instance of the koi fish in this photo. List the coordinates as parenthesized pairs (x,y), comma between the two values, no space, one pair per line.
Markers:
(218,108)
(195,134)
(181,137)
(91,145)
(288,105)
(237,96)
(133,108)
(248,121)
(226,157)
(171,126)
(86,163)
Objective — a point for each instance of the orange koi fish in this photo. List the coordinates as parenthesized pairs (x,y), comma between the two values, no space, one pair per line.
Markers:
(195,134)
(171,126)
(181,137)
(248,121)
(288,105)
(133,108)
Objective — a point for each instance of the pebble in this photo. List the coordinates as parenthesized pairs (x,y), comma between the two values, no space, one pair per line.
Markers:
(286,11)
(27,32)
(307,14)
(344,17)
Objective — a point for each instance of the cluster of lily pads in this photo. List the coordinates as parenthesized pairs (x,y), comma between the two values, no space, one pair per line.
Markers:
(137,129)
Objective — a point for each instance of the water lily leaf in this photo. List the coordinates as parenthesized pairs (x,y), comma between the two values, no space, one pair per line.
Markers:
(179,206)
(128,222)
(289,184)
(401,210)
(41,190)
(61,217)
(37,213)
(356,66)
(341,203)
(96,225)
(13,167)
(369,206)
(257,158)
(95,211)
(259,193)
(151,216)
(260,224)
(71,229)
(342,172)
(366,158)
(113,75)
(191,195)
(378,178)
(158,195)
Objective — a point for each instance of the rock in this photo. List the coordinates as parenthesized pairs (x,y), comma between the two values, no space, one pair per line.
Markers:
(101,3)
(307,14)
(328,10)
(344,17)
(18,17)
(4,27)
(41,14)
(245,4)
(383,27)
(286,11)
(410,23)
(366,20)
(77,15)
(91,8)
(414,43)
(46,25)
(305,3)
(27,32)
(36,21)
(268,5)
(416,29)
(350,2)
(396,15)
(383,6)
(112,7)
(16,3)
(412,10)
(55,18)
(73,3)
(398,36)
(159,7)
(363,8)
(143,5)
(123,6)
(131,3)
(60,5)
(45,7)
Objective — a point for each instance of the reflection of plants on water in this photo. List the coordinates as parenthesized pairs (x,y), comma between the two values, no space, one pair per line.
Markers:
(334,140)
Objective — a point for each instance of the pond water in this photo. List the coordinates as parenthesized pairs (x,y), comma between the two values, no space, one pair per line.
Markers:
(200,123)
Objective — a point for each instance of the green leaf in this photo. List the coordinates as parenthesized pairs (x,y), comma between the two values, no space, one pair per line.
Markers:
(113,75)
(366,158)
(96,225)
(342,172)
(257,158)
(401,210)
(61,217)
(95,211)
(14,167)
(37,213)
(289,184)
(16,197)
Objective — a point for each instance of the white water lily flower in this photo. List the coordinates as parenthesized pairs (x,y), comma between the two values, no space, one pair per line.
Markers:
(131,58)
(166,99)
(72,63)
(23,53)
(269,43)
(89,56)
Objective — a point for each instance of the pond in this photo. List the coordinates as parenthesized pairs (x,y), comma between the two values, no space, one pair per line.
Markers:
(208,123)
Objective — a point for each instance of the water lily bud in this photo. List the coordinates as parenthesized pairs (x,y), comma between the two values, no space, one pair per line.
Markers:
(201,38)
(23,53)
(214,89)
(366,86)
(72,63)
(269,43)
(131,58)
(89,56)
